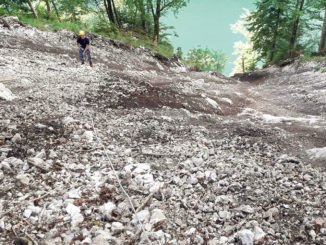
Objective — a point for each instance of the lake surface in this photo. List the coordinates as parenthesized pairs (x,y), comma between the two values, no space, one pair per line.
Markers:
(207,23)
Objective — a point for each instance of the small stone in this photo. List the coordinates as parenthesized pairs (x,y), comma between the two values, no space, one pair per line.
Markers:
(76,216)
(74,194)
(319,223)
(117,227)
(40,125)
(30,152)
(245,209)
(68,120)
(193,180)
(17,138)
(23,178)
(157,217)
(38,162)
(6,94)
(199,240)
(214,242)
(89,136)
(197,161)
(211,176)
(224,215)
(52,154)
(27,213)
(323,231)
(190,231)
(312,234)
(41,154)
(259,234)
(246,237)
(270,213)
(223,240)
(107,208)
(87,241)
(103,237)
(142,216)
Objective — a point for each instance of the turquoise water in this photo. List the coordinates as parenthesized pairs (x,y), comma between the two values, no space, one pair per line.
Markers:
(207,23)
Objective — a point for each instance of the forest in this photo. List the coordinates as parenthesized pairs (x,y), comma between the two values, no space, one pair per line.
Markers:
(277,30)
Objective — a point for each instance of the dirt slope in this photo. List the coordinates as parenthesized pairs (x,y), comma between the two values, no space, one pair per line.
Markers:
(205,159)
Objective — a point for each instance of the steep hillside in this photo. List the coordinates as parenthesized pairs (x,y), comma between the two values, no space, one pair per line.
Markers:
(203,159)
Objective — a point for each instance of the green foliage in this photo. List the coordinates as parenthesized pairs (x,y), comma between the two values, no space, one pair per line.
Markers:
(205,59)
(12,6)
(74,9)
(281,29)
(317,68)
(323,70)
(179,53)
(43,13)
(55,26)
(247,57)
(127,37)
(134,18)
(270,27)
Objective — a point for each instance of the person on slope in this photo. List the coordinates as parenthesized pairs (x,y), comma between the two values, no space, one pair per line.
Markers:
(83,45)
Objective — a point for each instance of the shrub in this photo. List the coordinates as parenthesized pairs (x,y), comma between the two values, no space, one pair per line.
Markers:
(317,68)
(206,59)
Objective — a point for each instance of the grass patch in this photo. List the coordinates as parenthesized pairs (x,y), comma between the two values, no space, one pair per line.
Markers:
(317,68)
(313,58)
(128,37)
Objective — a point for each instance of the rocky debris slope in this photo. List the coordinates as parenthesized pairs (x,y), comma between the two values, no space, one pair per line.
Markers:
(199,169)
(292,97)
(299,82)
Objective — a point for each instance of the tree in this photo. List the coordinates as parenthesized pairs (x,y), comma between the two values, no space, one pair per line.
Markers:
(297,14)
(159,8)
(323,35)
(32,9)
(109,11)
(48,8)
(55,9)
(74,9)
(205,59)
(269,27)
(247,57)
(141,7)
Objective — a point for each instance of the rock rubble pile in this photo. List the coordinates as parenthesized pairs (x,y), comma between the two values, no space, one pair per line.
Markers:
(196,169)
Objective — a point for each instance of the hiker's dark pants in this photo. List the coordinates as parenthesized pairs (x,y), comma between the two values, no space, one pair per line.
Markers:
(81,55)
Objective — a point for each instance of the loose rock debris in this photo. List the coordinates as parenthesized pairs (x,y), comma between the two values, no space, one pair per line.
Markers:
(199,166)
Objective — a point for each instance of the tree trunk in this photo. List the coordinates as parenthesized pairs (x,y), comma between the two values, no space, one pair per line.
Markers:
(117,18)
(157,16)
(55,9)
(295,28)
(48,8)
(32,8)
(142,15)
(271,58)
(109,11)
(156,30)
(323,36)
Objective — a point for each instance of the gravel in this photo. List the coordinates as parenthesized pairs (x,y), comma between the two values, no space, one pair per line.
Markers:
(199,167)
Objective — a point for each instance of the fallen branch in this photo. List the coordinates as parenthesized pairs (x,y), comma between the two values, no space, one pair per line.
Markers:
(41,197)
(146,202)
(31,238)
(8,80)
